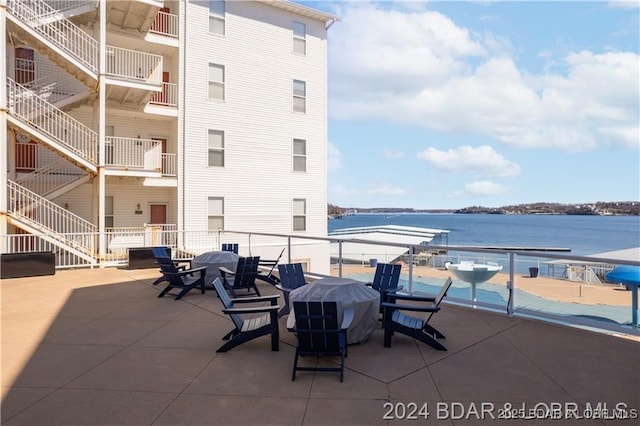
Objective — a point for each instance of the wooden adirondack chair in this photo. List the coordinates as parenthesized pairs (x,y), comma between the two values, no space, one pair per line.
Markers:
(230,247)
(269,276)
(291,277)
(320,333)
(385,280)
(162,251)
(178,277)
(246,329)
(244,277)
(396,321)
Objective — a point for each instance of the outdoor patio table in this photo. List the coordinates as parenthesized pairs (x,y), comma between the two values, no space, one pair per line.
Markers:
(213,260)
(348,293)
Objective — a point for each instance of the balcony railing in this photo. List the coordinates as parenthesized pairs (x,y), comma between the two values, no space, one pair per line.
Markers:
(142,154)
(133,65)
(165,24)
(168,96)
(169,164)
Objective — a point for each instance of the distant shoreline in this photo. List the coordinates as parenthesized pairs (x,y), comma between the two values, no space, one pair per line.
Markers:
(599,208)
(452,212)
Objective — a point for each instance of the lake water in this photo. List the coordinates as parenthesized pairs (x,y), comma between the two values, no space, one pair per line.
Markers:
(584,235)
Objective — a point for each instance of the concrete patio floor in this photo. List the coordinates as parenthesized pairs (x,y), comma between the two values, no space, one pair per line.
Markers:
(97,347)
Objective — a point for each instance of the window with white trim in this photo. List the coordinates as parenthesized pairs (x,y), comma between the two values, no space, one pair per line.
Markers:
(299,155)
(108,211)
(216,148)
(299,38)
(215,213)
(216,82)
(299,96)
(299,214)
(217,17)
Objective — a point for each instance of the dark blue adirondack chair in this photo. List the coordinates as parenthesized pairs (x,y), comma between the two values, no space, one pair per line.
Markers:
(269,276)
(320,333)
(249,328)
(177,277)
(242,281)
(230,247)
(291,277)
(419,328)
(164,252)
(385,280)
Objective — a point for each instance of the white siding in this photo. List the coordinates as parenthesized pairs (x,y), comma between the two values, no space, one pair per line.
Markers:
(126,197)
(257,181)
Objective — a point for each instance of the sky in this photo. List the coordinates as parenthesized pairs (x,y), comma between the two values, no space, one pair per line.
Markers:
(450,104)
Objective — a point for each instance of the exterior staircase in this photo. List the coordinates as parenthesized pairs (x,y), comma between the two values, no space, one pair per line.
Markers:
(37,215)
(69,76)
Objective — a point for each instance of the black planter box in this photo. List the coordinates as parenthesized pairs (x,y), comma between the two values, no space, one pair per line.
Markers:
(142,258)
(27,264)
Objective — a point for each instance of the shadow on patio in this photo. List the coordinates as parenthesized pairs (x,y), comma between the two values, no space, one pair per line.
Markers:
(97,347)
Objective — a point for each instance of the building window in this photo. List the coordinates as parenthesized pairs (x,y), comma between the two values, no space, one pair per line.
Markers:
(215,212)
(216,17)
(216,148)
(299,155)
(299,96)
(216,81)
(299,38)
(299,215)
(108,211)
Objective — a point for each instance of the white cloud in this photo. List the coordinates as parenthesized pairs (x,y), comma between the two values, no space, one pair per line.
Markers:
(624,4)
(484,188)
(334,158)
(374,189)
(483,161)
(389,153)
(426,70)
(386,189)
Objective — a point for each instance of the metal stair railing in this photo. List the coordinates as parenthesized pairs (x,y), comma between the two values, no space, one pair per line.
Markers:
(56,29)
(60,127)
(50,219)
(59,84)
(53,26)
(51,177)
(63,5)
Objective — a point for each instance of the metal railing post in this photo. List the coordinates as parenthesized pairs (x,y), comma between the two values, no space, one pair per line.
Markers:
(410,269)
(510,284)
(340,258)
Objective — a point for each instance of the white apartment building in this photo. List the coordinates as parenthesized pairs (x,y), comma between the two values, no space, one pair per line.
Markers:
(143,122)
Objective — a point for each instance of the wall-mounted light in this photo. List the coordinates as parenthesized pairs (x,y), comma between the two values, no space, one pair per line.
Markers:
(138,209)
(66,206)
(138,142)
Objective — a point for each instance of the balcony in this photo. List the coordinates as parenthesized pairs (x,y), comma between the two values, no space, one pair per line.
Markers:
(165,24)
(168,96)
(98,347)
(130,155)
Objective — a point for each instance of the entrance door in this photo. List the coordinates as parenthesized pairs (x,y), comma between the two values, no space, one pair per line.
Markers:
(157,213)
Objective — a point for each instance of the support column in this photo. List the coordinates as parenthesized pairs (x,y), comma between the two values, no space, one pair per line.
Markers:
(4,131)
(102,114)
